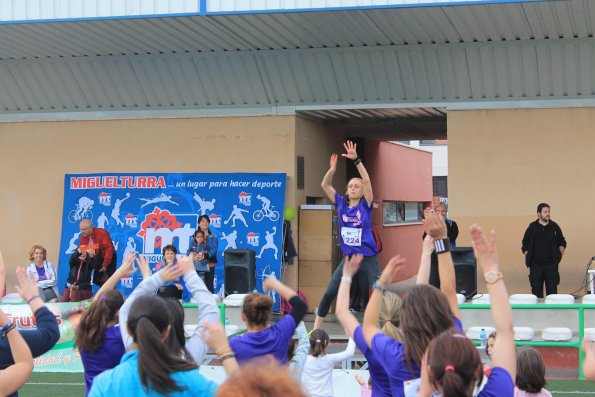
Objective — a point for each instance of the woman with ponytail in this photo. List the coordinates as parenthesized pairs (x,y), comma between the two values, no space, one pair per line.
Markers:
(317,377)
(98,335)
(150,368)
(262,338)
(194,349)
(451,365)
(425,313)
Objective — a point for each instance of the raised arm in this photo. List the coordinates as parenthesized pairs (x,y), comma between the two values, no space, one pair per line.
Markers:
(436,227)
(124,269)
(423,274)
(214,336)
(347,320)
(389,275)
(345,354)
(504,354)
(351,154)
(14,376)
(147,287)
(299,306)
(327,181)
(207,308)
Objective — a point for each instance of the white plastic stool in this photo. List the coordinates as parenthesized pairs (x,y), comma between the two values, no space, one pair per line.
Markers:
(588,300)
(523,333)
(12,298)
(559,299)
(557,334)
(460,299)
(589,333)
(189,329)
(522,299)
(473,332)
(481,299)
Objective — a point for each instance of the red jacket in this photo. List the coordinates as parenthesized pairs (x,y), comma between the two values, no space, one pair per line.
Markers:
(102,238)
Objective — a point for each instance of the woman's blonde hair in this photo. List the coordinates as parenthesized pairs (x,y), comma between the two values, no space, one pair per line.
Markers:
(35,247)
(390,315)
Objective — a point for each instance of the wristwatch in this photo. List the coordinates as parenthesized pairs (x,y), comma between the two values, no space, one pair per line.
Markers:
(378,286)
(491,277)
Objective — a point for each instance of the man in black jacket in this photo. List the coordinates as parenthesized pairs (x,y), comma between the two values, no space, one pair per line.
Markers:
(543,246)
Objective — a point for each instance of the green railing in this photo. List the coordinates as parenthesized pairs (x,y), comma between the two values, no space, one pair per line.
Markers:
(579,307)
(221,307)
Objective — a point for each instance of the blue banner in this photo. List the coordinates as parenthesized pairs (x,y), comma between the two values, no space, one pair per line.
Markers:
(145,212)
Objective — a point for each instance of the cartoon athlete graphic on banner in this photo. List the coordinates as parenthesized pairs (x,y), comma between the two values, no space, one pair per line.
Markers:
(269,239)
(266,211)
(231,240)
(236,214)
(116,210)
(205,205)
(159,199)
(82,210)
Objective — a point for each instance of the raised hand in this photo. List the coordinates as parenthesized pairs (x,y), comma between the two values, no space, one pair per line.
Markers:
(26,287)
(127,266)
(390,274)
(484,248)
(428,244)
(350,149)
(270,283)
(214,335)
(186,264)
(145,270)
(360,380)
(434,224)
(333,162)
(171,273)
(351,265)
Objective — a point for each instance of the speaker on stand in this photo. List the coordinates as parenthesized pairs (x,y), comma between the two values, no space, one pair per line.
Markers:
(239,270)
(465,271)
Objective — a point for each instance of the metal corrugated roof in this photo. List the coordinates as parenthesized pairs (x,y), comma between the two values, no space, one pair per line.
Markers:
(304,61)
(318,78)
(325,29)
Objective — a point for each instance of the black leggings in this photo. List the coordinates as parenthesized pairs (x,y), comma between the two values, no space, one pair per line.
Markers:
(369,267)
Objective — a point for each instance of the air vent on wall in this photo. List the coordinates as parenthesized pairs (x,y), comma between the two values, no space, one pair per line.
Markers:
(300,173)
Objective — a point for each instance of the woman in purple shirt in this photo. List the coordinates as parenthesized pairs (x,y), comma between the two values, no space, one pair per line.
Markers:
(264,339)
(98,335)
(355,224)
(451,364)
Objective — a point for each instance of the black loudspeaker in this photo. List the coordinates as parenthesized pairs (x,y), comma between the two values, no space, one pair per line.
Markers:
(240,269)
(465,271)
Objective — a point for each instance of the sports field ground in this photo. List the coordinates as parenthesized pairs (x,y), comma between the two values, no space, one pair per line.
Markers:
(68,384)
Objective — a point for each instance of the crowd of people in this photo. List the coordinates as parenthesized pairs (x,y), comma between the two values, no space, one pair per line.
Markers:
(414,345)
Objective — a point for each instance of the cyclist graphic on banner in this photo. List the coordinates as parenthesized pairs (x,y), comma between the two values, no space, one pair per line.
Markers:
(82,211)
(266,211)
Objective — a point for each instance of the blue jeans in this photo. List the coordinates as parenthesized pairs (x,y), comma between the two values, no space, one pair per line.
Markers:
(369,266)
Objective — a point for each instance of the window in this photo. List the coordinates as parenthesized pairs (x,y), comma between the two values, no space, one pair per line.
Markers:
(440,186)
(396,212)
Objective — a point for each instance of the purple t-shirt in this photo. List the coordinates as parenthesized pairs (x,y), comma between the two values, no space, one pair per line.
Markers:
(273,340)
(355,227)
(106,357)
(40,273)
(390,355)
(499,384)
(380,382)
